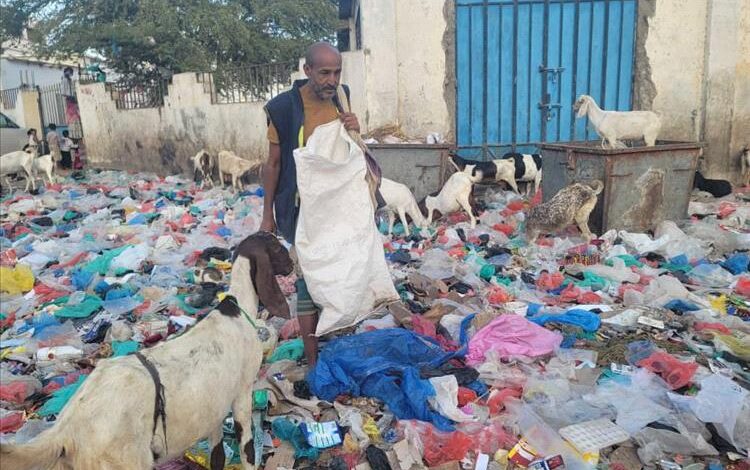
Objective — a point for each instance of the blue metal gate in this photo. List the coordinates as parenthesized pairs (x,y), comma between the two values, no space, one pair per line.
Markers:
(521,64)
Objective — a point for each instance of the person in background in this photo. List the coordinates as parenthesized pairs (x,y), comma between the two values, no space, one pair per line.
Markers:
(53,142)
(66,147)
(33,139)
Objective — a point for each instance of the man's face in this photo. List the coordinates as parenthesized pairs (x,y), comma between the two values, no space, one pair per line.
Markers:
(324,73)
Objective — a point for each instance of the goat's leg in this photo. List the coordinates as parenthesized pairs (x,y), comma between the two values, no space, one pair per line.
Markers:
(464,202)
(582,220)
(513,185)
(391,221)
(242,411)
(402,216)
(537,181)
(216,444)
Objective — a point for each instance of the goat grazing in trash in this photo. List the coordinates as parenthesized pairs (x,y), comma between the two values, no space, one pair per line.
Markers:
(20,161)
(399,200)
(203,168)
(116,420)
(230,164)
(455,194)
(615,126)
(572,204)
(511,168)
(44,165)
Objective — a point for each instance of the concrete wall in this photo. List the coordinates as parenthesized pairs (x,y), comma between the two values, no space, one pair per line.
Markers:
(165,139)
(401,68)
(25,113)
(693,68)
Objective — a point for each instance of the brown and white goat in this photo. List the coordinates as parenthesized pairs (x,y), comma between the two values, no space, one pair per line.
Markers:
(230,164)
(112,421)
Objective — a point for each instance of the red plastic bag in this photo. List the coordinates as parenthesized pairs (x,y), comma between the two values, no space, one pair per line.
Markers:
(675,373)
(706,326)
(16,392)
(465,396)
(488,439)
(588,297)
(570,293)
(439,447)
(550,281)
(497,399)
(497,296)
(11,422)
(504,228)
(743,286)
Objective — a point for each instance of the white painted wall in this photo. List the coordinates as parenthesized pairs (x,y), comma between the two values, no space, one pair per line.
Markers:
(165,139)
(699,54)
(401,66)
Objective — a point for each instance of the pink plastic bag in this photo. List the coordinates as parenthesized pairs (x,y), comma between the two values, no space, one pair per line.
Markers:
(512,336)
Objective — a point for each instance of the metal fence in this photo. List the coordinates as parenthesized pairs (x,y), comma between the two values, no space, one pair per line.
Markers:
(138,93)
(9,97)
(248,83)
(52,104)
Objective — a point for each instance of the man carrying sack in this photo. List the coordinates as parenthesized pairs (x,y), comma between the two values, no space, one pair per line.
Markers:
(320,191)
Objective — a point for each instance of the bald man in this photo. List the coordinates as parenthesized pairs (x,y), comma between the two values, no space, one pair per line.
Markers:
(292,118)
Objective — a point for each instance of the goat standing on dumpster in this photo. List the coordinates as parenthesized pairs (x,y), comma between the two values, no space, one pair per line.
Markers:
(292,118)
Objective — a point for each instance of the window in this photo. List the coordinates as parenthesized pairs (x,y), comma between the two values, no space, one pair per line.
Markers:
(6,123)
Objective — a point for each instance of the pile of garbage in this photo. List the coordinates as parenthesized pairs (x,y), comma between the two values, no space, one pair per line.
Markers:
(627,352)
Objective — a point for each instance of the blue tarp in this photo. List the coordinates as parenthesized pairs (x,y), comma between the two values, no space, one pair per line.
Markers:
(383,364)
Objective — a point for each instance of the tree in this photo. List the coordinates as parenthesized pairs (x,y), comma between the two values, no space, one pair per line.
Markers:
(142,36)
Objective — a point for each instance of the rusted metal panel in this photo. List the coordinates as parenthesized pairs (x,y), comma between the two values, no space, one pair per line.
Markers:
(642,185)
(421,167)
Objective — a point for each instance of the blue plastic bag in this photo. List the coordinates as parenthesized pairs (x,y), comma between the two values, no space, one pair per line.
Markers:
(384,364)
(587,321)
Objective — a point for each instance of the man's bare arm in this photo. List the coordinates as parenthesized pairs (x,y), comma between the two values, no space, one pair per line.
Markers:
(271,171)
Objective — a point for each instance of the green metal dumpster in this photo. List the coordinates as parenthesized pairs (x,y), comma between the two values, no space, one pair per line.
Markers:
(642,185)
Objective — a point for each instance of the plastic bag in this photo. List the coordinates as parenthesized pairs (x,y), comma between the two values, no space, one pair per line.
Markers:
(438,447)
(289,350)
(675,373)
(18,280)
(711,275)
(445,400)
(583,319)
(512,336)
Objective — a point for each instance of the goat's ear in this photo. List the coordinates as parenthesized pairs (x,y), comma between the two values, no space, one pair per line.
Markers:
(228,306)
(263,277)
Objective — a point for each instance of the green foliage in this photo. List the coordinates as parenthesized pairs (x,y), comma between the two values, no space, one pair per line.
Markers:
(139,36)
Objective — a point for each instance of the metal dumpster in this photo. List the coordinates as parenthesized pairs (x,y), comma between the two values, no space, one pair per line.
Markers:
(421,167)
(642,185)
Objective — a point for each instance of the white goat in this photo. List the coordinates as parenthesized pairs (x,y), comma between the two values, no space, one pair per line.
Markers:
(46,166)
(203,167)
(615,125)
(231,164)
(20,161)
(399,200)
(455,194)
(114,420)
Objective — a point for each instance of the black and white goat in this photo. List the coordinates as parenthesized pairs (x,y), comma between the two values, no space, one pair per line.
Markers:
(117,421)
(511,168)
(203,168)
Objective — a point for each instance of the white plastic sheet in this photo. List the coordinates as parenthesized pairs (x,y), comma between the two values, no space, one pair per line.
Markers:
(338,245)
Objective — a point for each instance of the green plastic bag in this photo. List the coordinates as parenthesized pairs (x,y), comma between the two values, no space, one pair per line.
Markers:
(60,398)
(86,308)
(291,350)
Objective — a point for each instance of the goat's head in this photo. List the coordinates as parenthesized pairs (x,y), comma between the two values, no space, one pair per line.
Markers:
(205,162)
(475,173)
(268,258)
(581,106)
